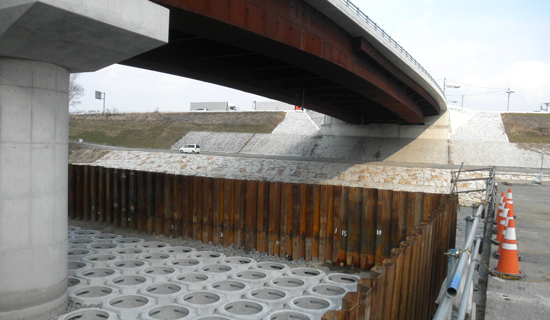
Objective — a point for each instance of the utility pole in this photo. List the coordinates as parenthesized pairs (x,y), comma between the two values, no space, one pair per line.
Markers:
(448,86)
(509,92)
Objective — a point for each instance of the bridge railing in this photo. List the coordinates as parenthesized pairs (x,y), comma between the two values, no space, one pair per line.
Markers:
(386,36)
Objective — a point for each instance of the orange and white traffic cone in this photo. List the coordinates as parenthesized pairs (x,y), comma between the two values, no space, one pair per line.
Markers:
(502,222)
(510,201)
(505,223)
(508,264)
(499,211)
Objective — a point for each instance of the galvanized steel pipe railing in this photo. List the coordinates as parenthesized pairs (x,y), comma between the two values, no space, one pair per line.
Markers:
(466,294)
(456,278)
(453,283)
(386,36)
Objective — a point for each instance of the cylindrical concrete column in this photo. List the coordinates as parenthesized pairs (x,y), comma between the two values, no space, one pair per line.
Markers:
(64,35)
(33,189)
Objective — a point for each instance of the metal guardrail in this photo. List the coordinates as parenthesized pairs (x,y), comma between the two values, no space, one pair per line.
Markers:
(386,36)
(468,255)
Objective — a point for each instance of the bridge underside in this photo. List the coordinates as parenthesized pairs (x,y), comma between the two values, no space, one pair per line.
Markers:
(288,51)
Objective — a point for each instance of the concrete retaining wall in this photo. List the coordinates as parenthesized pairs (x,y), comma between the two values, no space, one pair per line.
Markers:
(382,149)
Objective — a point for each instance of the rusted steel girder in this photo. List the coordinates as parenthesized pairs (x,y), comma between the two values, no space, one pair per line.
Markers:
(289,51)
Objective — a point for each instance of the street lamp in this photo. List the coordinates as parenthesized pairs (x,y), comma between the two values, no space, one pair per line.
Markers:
(450,86)
(509,92)
(98,96)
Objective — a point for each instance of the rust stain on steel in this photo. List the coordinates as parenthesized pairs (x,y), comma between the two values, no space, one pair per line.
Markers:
(168,205)
(101,194)
(323,213)
(270,215)
(251,195)
(123,198)
(141,204)
(272,221)
(229,212)
(207,210)
(262,217)
(217,212)
(150,202)
(131,205)
(240,213)
(314,38)
(287,209)
(86,193)
(311,223)
(337,225)
(362,45)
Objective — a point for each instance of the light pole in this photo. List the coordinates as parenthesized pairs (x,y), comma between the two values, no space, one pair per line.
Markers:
(509,92)
(445,85)
(98,96)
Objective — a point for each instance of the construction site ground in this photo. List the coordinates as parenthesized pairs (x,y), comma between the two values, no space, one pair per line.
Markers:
(528,298)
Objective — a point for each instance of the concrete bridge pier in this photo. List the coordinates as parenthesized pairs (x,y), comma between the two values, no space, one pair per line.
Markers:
(41,42)
(33,184)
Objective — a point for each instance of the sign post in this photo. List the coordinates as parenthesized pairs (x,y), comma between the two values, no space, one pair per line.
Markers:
(98,96)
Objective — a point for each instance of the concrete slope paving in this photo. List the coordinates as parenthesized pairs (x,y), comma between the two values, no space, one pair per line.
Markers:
(297,123)
(480,126)
(280,145)
(499,154)
(480,140)
(226,142)
(382,149)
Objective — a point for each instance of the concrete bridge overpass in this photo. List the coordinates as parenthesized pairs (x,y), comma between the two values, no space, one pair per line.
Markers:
(325,55)
(311,53)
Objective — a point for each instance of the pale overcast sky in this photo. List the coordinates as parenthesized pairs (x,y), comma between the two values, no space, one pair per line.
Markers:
(485,46)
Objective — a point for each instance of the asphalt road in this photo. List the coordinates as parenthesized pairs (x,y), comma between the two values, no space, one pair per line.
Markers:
(524,299)
(328,160)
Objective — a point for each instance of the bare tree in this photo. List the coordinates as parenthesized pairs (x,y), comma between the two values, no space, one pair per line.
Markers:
(76,91)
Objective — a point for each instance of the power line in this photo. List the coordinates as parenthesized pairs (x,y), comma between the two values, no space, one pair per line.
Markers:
(477,94)
(471,85)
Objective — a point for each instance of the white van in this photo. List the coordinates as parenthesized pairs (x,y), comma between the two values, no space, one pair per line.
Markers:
(190,148)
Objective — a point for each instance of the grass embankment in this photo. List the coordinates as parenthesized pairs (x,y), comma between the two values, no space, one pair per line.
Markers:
(162,130)
(527,127)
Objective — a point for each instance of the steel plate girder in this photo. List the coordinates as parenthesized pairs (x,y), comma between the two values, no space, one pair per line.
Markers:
(298,34)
